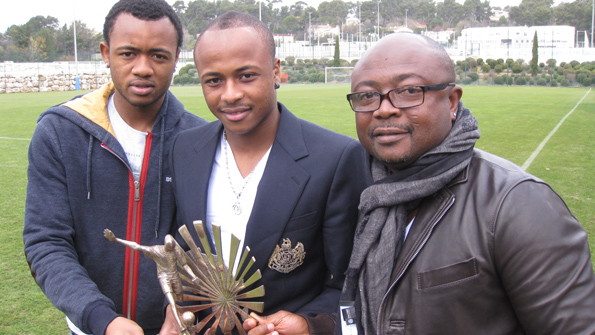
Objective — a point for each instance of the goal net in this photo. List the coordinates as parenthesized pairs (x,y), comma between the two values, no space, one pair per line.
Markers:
(337,75)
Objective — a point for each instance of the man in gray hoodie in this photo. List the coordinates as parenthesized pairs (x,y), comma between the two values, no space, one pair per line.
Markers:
(100,161)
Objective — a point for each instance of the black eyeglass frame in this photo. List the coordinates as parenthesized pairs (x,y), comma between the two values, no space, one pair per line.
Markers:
(437,87)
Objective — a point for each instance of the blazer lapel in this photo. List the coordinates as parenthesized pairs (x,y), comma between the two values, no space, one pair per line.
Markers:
(199,165)
(279,190)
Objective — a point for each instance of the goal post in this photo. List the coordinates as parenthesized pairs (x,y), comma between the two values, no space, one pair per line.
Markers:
(337,75)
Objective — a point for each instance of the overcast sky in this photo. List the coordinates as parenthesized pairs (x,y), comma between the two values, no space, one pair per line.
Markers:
(93,12)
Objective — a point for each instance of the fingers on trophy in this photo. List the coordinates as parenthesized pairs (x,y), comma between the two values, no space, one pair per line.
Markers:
(203,280)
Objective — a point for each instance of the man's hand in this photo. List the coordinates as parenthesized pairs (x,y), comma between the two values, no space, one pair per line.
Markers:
(170,325)
(109,235)
(123,326)
(280,323)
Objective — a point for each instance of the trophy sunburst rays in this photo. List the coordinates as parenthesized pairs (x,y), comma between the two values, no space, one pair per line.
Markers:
(215,285)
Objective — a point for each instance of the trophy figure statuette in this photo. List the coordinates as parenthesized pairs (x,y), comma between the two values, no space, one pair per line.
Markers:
(204,278)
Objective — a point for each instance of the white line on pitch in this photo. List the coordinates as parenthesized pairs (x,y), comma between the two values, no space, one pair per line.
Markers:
(547,138)
(15,138)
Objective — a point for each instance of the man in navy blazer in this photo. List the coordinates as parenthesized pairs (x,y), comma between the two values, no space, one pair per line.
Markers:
(265,175)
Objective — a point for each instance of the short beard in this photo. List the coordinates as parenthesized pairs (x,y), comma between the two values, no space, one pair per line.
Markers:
(394,163)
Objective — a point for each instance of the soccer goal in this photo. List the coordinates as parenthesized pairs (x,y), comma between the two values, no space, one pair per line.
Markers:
(338,75)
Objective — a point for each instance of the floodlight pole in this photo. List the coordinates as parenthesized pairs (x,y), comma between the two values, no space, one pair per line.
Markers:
(259,11)
(76,62)
(359,7)
(406,10)
(310,33)
(552,61)
(310,27)
(378,37)
(592,21)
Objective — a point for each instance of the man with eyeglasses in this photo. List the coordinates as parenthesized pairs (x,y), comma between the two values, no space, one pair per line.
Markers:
(451,239)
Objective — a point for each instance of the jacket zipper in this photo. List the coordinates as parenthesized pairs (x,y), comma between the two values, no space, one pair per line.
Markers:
(425,238)
(133,230)
(130,309)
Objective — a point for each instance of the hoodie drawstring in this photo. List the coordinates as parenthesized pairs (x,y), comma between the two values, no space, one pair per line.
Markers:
(160,175)
(89,153)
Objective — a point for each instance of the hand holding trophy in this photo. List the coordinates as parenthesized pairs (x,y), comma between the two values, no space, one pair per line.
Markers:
(203,278)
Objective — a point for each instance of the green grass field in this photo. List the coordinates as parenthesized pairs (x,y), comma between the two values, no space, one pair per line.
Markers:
(513,122)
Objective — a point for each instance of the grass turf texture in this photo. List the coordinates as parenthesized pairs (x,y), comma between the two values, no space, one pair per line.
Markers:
(513,122)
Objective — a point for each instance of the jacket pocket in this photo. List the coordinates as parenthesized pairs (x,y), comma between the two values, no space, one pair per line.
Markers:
(303,222)
(449,275)
(395,327)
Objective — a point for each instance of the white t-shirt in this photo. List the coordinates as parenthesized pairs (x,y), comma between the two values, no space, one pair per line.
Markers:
(133,141)
(221,198)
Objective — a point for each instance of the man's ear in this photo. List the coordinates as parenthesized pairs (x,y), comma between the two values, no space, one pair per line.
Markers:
(277,70)
(454,97)
(104,48)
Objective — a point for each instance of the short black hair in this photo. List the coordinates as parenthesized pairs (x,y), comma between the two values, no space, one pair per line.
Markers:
(233,19)
(147,10)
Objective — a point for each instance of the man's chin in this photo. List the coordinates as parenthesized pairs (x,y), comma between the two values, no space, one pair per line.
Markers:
(393,160)
(141,102)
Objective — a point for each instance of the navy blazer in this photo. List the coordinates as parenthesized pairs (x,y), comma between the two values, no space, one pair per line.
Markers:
(309,193)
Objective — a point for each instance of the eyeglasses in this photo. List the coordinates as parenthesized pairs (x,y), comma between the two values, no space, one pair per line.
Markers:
(400,97)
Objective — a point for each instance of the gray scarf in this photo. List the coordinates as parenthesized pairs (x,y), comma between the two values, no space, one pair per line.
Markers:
(383,214)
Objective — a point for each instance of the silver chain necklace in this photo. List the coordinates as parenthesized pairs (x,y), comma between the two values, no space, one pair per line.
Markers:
(237,206)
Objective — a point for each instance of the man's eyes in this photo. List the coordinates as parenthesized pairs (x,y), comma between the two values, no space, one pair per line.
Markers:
(129,54)
(412,90)
(212,81)
(368,96)
(247,76)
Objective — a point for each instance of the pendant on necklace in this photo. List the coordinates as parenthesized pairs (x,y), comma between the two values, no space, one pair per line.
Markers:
(237,208)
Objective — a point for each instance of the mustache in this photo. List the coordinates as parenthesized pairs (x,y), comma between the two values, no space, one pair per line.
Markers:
(234,105)
(401,127)
(226,107)
(142,83)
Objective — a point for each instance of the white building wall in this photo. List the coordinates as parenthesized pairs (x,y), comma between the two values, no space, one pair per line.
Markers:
(474,41)
(441,37)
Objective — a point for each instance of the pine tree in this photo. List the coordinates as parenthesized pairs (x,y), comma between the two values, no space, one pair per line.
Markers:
(337,58)
(534,60)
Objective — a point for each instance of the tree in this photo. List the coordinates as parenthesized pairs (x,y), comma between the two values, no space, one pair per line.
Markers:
(534,60)
(577,14)
(290,24)
(18,35)
(22,35)
(533,13)
(334,11)
(450,11)
(87,41)
(43,45)
(369,11)
(502,21)
(477,11)
(179,7)
(426,11)
(337,57)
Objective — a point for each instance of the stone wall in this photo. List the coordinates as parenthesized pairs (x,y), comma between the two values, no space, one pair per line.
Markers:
(48,83)
(55,76)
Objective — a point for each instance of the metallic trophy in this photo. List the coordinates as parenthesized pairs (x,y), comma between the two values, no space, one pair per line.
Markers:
(194,276)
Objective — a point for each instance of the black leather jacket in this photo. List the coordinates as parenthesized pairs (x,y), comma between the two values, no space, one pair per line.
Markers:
(496,251)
